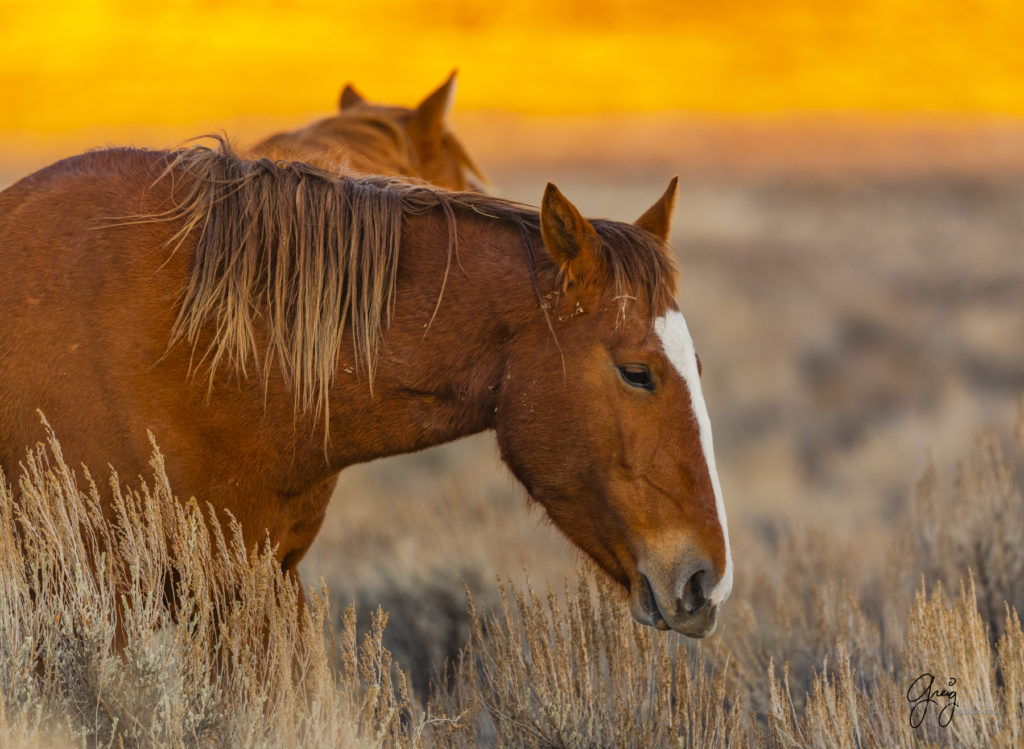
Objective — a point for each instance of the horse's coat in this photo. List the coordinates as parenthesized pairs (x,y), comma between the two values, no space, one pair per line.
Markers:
(272,324)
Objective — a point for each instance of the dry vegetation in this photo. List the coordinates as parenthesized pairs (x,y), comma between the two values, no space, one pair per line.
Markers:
(91,656)
(818,649)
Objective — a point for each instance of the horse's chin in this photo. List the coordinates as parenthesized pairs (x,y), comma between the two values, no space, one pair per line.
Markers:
(644,606)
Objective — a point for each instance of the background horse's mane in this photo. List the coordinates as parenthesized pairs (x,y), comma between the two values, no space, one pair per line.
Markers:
(335,140)
(308,252)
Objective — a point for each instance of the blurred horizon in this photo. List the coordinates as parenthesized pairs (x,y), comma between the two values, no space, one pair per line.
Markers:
(80,74)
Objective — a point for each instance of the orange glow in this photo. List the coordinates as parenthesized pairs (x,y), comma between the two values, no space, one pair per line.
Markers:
(189,65)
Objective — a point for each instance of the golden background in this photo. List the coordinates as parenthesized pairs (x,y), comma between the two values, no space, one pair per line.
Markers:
(70,67)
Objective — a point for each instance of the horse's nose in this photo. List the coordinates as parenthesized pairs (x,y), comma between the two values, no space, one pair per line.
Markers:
(695,613)
(694,594)
(679,598)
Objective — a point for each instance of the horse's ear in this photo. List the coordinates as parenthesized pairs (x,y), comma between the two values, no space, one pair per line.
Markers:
(428,118)
(570,238)
(658,218)
(349,97)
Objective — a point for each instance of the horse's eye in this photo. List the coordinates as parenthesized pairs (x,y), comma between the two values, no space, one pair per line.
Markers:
(637,375)
(700,366)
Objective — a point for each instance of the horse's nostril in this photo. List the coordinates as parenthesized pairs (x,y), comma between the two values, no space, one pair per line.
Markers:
(693,597)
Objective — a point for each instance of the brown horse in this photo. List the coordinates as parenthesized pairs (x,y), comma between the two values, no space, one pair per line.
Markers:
(272,324)
(365,138)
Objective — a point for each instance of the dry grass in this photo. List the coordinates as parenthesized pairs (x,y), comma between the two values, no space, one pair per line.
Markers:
(91,656)
(577,674)
(820,649)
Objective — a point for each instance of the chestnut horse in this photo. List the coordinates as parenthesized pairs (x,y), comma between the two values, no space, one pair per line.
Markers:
(365,138)
(273,323)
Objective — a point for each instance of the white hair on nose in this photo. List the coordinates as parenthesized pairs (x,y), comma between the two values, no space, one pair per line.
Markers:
(679,348)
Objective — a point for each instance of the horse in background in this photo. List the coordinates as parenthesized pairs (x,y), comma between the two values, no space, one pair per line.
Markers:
(367,138)
(272,323)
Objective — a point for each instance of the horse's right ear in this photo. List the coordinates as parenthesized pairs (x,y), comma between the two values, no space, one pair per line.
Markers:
(571,239)
(658,218)
(427,123)
(349,98)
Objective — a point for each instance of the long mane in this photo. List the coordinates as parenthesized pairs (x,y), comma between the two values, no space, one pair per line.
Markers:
(291,255)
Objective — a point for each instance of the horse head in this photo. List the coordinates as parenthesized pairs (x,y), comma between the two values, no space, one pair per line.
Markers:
(441,158)
(601,416)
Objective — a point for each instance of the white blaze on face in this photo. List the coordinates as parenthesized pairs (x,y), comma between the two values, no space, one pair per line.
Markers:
(678,345)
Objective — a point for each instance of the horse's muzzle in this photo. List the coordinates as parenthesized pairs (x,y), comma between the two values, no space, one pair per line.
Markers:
(689,611)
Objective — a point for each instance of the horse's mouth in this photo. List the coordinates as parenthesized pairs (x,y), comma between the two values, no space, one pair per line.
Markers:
(649,604)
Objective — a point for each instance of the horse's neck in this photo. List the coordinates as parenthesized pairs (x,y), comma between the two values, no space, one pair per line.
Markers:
(438,373)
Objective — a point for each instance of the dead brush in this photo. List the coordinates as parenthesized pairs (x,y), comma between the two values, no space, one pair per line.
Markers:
(976,524)
(947,640)
(581,674)
(819,649)
(577,673)
(793,604)
(91,655)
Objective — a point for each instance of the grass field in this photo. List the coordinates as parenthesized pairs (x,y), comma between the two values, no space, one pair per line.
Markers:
(829,640)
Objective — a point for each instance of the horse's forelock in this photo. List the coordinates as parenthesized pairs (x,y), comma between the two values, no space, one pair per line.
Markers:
(638,262)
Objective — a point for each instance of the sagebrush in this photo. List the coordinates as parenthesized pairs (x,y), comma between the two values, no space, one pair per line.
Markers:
(151,625)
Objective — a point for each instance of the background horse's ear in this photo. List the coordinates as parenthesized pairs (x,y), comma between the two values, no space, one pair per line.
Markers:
(427,122)
(349,97)
(570,238)
(658,218)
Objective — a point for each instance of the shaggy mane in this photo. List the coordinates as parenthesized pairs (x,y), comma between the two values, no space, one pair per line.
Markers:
(367,135)
(301,253)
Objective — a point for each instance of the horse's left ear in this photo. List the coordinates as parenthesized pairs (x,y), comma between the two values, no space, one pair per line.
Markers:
(658,218)
(428,118)
(570,238)
(349,97)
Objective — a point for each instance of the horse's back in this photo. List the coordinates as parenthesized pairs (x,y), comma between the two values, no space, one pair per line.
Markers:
(82,300)
(65,236)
